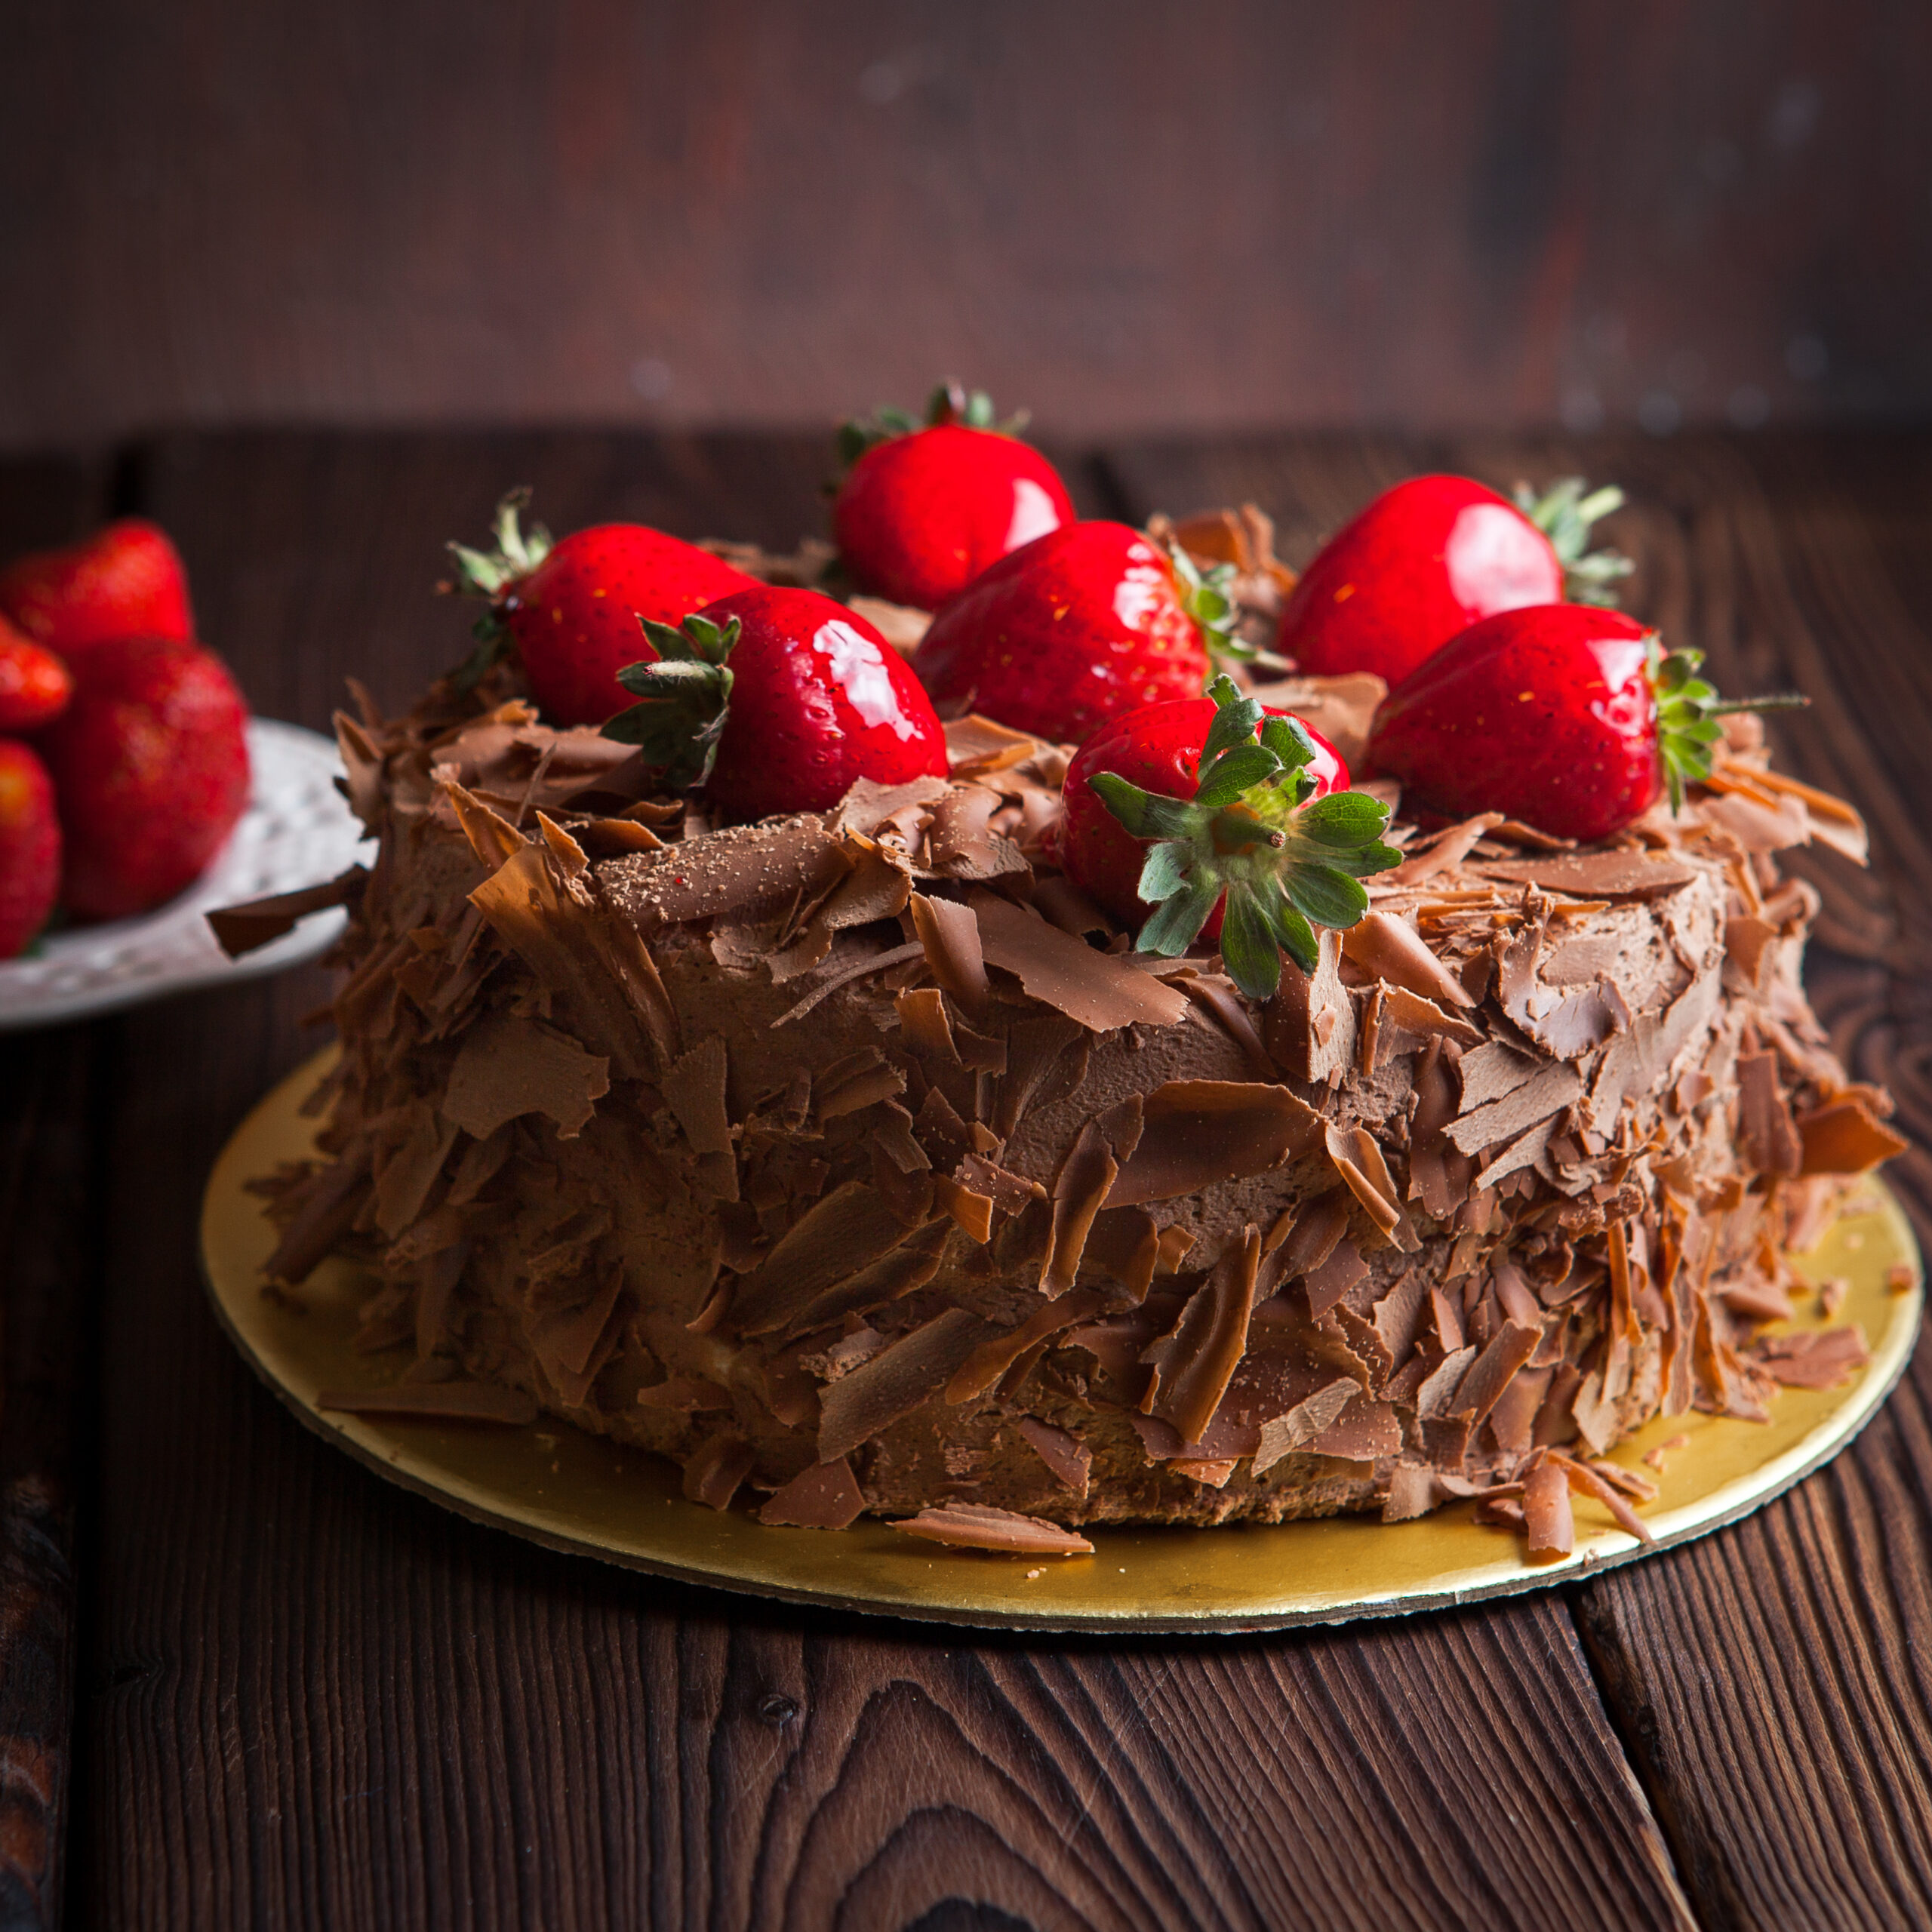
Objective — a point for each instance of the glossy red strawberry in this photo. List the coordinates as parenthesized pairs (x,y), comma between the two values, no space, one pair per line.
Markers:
(126,580)
(1433,555)
(571,605)
(921,512)
(35,684)
(1075,628)
(1217,815)
(1571,719)
(777,700)
(150,763)
(29,848)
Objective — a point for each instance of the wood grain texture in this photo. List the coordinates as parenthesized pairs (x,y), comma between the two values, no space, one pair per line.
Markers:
(312,1700)
(47,1283)
(1771,1682)
(1127,216)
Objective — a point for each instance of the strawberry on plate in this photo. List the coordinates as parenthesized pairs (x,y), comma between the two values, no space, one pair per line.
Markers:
(126,580)
(1572,719)
(922,510)
(1218,815)
(29,848)
(150,763)
(35,685)
(571,605)
(1430,557)
(778,700)
(1076,627)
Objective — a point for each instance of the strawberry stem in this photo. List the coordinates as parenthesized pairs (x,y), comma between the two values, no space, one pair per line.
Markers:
(1207,596)
(1250,837)
(1564,513)
(686,698)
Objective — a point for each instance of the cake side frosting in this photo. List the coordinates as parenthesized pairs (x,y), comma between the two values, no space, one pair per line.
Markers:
(853,1157)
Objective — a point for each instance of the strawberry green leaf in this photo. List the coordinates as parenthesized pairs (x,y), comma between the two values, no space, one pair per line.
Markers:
(686,698)
(1164,871)
(1564,513)
(1145,814)
(1688,709)
(1173,926)
(1235,718)
(1235,772)
(1245,841)
(1326,897)
(489,574)
(1249,949)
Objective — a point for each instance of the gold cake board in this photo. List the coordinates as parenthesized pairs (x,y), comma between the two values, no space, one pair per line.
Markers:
(559,1486)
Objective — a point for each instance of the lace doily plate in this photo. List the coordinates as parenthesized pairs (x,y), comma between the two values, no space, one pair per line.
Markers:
(297,831)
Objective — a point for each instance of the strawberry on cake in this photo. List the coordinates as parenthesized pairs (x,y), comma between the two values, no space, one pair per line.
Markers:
(1076,1101)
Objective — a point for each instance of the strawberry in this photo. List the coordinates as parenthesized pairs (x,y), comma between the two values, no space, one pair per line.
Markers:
(35,685)
(150,762)
(921,511)
(1570,718)
(1264,843)
(29,848)
(778,700)
(571,607)
(1429,558)
(1076,627)
(126,580)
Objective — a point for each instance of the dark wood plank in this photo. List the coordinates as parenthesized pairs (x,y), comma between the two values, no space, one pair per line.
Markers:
(46,1286)
(1771,1681)
(1127,215)
(316,1699)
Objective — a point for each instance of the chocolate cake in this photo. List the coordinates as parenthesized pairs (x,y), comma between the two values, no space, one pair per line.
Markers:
(854,1160)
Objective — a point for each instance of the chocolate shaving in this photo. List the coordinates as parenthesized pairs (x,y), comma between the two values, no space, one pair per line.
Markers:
(1619,874)
(873,1396)
(1124,1244)
(869,805)
(991,1359)
(962,844)
(922,1019)
(1387,948)
(1193,1362)
(1281,1436)
(977,1526)
(1767,1136)
(1098,991)
(950,934)
(1308,1027)
(1037,1051)
(507,1067)
(242,928)
(1099,1150)
(823,1496)
(685,1395)
(838,1235)
(1555,1085)
(716,1469)
(1844,1137)
(1326,1284)
(747,871)
(1068,1459)
(855,1081)
(890,1279)
(330,1207)
(1547,1522)
(436,1401)
(1813,1358)
(833,978)
(1196,1133)
(1584,1480)
(1508,1350)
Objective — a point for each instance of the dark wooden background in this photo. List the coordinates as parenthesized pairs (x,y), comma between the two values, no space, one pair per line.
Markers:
(301,1698)
(1133,216)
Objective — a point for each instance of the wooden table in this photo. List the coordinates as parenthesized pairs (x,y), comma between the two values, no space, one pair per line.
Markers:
(247,1684)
